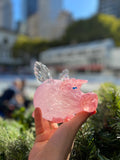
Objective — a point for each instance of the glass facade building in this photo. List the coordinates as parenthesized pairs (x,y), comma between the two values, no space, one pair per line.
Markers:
(111,7)
(31,7)
(49,11)
(6,14)
(28,8)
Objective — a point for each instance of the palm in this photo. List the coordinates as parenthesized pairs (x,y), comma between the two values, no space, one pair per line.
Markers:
(53,143)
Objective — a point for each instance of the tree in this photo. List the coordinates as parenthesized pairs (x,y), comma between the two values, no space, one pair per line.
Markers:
(27,48)
(98,27)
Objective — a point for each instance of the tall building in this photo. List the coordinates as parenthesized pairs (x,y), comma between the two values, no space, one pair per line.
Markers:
(44,18)
(6,14)
(49,11)
(7,40)
(111,7)
(54,30)
(28,8)
(32,7)
(32,26)
(64,19)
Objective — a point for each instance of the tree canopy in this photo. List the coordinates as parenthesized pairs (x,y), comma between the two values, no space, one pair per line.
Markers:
(26,47)
(98,27)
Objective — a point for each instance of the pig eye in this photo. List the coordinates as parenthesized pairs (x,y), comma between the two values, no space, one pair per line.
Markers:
(74,87)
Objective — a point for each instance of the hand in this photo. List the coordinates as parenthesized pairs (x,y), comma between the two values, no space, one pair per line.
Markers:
(53,142)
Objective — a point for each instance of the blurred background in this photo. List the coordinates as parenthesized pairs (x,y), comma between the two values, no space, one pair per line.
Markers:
(82,36)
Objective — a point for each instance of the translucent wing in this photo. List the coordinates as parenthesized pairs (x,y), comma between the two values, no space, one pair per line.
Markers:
(64,74)
(41,72)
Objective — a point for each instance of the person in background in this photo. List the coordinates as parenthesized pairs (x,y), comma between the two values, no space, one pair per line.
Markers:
(12,98)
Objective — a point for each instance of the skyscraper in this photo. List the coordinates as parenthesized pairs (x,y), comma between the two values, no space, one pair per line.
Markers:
(32,7)
(44,18)
(49,11)
(111,7)
(6,14)
(28,8)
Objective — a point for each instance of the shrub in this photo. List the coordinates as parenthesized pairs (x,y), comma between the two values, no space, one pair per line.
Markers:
(24,116)
(15,144)
(99,138)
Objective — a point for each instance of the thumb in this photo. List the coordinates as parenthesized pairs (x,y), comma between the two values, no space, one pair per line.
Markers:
(65,134)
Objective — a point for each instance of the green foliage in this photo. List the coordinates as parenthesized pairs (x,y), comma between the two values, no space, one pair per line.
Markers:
(98,27)
(17,137)
(15,144)
(99,138)
(24,117)
(26,47)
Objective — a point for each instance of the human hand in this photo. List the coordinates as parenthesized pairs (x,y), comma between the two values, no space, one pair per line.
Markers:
(53,142)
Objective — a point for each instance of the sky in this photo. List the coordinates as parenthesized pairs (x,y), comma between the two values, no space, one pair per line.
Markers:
(80,9)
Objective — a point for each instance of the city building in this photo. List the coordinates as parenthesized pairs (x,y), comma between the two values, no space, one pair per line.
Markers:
(23,28)
(64,19)
(50,21)
(7,39)
(32,26)
(115,59)
(28,8)
(54,31)
(111,7)
(32,7)
(6,17)
(48,11)
(92,56)
(47,8)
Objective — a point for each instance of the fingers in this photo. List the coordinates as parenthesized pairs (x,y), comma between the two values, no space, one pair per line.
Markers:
(65,134)
(38,122)
(53,125)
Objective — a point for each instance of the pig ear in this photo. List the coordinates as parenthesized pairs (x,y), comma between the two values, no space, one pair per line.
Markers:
(64,74)
(41,72)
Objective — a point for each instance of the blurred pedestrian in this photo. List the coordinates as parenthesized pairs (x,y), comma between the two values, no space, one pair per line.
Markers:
(13,98)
